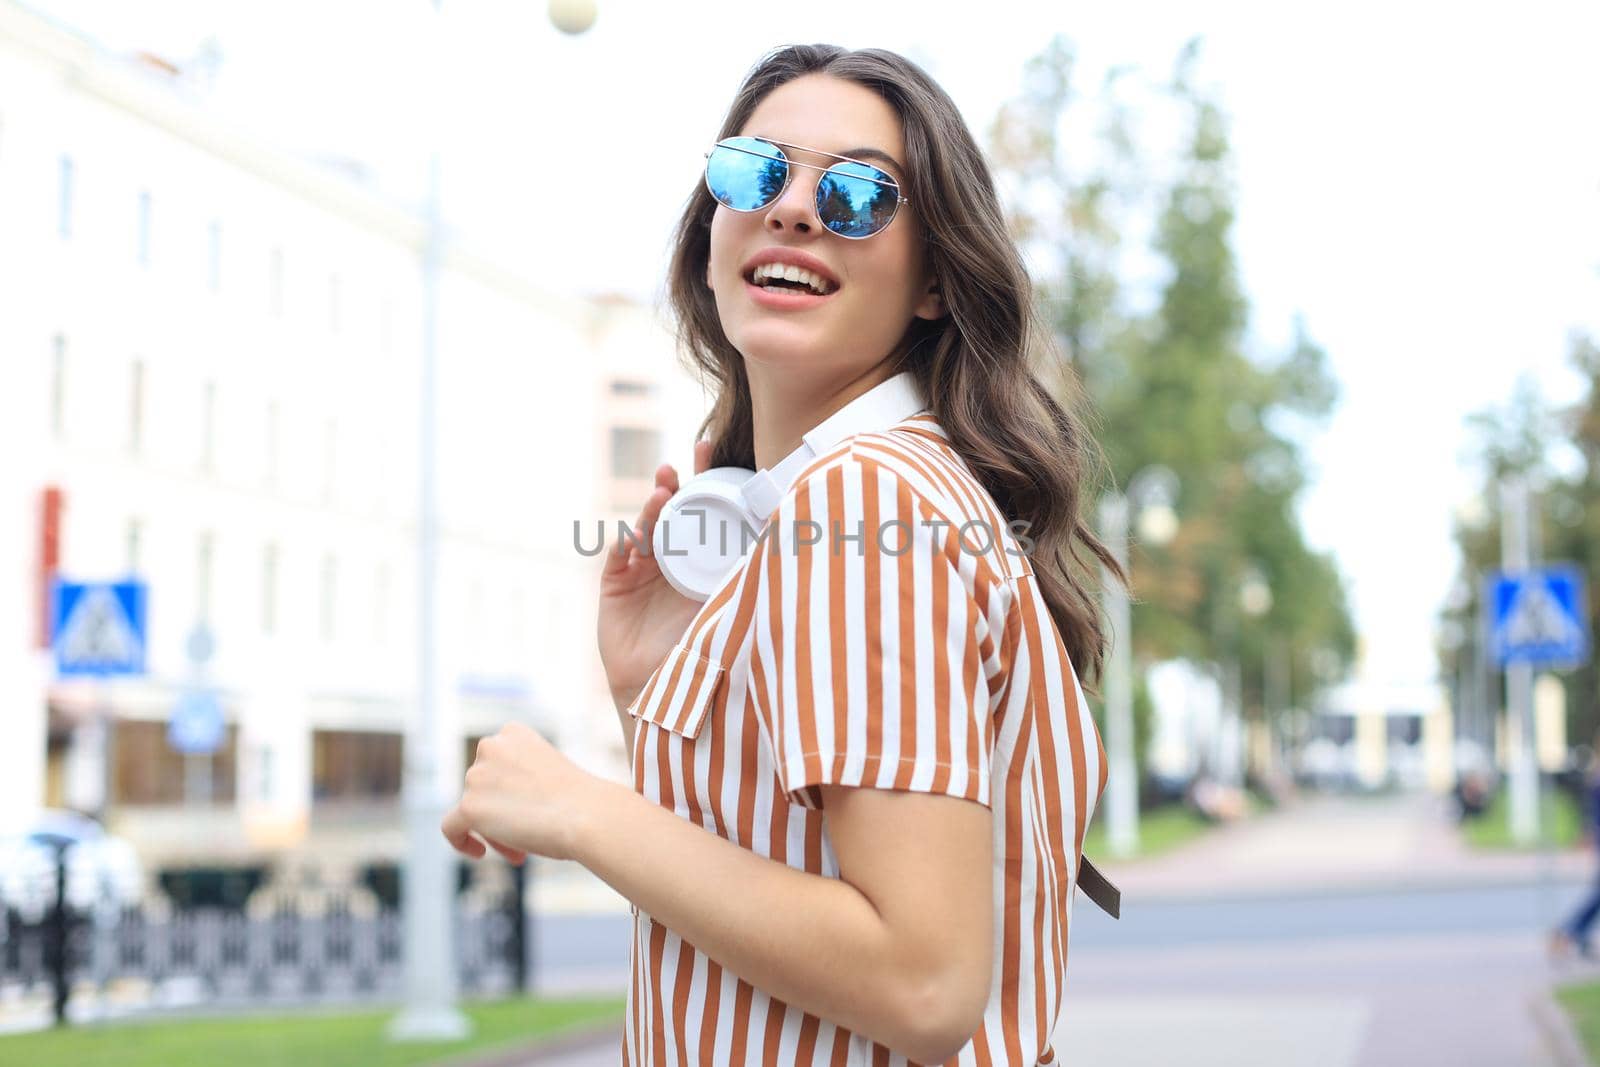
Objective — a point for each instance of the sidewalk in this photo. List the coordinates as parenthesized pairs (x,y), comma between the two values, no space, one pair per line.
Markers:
(1323,843)
(1335,1002)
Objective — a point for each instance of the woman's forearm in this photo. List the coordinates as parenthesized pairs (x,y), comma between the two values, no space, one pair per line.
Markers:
(817,944)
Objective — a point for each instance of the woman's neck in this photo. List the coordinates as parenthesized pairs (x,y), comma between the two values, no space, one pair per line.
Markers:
(784,408)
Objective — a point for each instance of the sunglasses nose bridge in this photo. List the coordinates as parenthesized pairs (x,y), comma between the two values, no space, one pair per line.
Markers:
(798,195)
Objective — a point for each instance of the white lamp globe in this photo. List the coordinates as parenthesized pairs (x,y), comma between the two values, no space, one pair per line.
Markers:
(572,16)
(1158,524)
(1255,595)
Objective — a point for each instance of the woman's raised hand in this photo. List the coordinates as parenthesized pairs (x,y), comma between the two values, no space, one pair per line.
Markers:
(641,616)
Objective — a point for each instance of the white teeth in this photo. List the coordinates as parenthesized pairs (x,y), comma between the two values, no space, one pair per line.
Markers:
(789,272)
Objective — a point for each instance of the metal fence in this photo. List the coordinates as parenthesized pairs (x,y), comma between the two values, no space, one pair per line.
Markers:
(292,940)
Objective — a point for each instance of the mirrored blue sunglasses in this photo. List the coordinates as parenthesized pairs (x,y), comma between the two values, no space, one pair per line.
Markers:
(854,199)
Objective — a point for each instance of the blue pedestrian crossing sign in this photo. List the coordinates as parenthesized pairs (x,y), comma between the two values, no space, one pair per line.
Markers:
(98,628)
(197,727)
(1538,617)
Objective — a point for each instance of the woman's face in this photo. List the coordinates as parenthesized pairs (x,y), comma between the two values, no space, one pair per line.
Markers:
(880,281)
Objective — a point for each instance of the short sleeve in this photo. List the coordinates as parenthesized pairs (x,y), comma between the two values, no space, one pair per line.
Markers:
(869,662)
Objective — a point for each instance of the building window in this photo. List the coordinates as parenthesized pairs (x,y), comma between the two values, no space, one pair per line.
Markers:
(205,553)
(469,754)
(208,426)
(58,386)
(134,545)
(275,284)
(144,227)
(269,589)
(330,592)
(214,258)
(136,406)
(64,199)
(630,387)
(145,769)
(355,765)
(634,451)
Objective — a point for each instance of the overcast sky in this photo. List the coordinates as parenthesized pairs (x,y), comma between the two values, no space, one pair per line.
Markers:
(1420,180)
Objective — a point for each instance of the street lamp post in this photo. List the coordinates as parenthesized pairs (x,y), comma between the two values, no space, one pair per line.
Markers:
(1255,600)
(1150,494)
(428,893)
(427,896)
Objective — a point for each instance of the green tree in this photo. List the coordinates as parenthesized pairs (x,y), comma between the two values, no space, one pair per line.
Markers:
(1173,384)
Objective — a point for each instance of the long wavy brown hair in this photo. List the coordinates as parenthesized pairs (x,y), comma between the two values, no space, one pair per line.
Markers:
(980,365)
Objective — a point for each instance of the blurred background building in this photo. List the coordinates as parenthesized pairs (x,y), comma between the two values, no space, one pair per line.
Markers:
(211,384)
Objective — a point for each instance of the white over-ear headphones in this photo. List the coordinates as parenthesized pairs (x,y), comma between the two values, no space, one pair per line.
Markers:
(713,519)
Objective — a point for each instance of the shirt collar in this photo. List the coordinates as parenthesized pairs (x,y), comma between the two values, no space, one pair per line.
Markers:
(891,401)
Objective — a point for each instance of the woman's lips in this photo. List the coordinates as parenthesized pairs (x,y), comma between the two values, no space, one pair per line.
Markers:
(786,300)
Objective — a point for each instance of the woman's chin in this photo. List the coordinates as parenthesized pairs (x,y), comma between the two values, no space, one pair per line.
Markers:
(782,347)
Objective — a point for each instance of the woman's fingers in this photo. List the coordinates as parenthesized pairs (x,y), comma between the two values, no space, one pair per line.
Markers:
(469,842)
(653,504)
(514,855)
(667,475)
(622,553)
(626,549)
(617,557)
(455,830)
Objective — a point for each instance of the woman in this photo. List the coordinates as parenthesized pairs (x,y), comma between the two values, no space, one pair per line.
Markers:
(1574,933)
(863,766)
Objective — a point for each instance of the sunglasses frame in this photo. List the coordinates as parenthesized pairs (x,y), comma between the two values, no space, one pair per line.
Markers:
(788,174)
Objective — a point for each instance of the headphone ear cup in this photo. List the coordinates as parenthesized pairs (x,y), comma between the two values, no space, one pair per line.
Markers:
(700,536)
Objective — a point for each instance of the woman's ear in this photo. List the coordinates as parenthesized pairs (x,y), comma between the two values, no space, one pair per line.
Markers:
(932,305)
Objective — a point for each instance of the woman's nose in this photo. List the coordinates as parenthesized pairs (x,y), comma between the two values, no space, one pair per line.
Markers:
(796,208)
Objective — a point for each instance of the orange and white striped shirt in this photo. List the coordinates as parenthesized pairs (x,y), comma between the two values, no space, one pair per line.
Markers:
(920,656)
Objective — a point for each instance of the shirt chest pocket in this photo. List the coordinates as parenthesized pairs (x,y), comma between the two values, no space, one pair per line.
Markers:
(680,693)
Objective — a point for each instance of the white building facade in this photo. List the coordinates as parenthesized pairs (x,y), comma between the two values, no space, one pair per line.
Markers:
(210,380)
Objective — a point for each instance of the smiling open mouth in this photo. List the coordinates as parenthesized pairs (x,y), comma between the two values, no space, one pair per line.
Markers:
(783,278)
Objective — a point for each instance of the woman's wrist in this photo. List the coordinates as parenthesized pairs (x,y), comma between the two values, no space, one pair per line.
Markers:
(592,813)
(624,696)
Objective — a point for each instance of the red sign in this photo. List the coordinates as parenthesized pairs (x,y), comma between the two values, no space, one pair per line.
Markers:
(49,555)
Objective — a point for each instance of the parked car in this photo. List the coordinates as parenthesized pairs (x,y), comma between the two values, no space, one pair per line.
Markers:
(103,871)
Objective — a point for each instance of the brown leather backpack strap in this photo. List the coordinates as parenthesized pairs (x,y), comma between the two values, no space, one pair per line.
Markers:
(1099,888)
